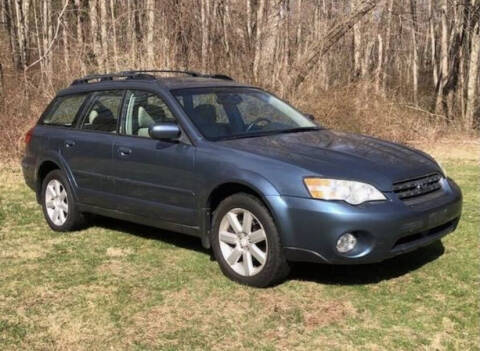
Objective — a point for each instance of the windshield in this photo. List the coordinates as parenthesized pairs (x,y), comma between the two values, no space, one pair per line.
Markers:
(227,113)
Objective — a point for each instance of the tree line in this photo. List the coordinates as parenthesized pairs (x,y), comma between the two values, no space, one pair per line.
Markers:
(425,52)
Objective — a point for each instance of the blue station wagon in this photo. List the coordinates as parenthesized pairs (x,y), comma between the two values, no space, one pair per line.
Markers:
(259,182)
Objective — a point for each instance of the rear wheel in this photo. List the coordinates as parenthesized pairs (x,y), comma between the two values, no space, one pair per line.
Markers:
(246,243)
(59,207)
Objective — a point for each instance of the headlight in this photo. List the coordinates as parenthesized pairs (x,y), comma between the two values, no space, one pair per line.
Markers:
(352,192)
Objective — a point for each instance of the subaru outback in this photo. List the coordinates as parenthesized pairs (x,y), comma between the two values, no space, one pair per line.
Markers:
(259,182)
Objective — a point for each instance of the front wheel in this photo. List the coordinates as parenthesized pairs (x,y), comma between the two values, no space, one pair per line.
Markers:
(246,243)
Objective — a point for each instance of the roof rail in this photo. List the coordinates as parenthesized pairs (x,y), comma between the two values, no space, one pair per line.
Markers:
(111,76)
(217,76)
(143,74)
(189,73)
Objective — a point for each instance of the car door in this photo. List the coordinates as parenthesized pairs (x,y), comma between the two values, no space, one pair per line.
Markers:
(88,149)
(153,178)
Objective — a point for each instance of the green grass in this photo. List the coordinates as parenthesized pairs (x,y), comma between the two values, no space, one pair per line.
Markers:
(122,286)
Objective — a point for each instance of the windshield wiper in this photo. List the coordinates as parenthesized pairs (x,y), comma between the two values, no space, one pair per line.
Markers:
(297,130)
(270,132)
(248,135)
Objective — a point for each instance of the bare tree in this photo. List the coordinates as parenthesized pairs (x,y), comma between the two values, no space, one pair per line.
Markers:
(357,45)
(443,78)
(258,38)
(308,61)
(433,41)
(150,32)
(413,12)
(205,7)
(114,32)
(389,15)
(404,49)
(93,14)
(103,35)
(79,31)
(473,72)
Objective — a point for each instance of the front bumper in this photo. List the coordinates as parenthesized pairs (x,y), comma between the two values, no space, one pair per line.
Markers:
(310,228)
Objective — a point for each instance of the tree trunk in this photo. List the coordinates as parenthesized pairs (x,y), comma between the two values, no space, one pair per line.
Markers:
(150,32)
(433,41)
(413,12)
(249,19)
(442,82)
(3,16)
(387,45)
(473,72)
(81,56)
(258,39)
(299,38)
(47,62)
(205,5)
(66,53)
(94,30)
(114,29)
(20,26)
(357,46)
(132,37)
(12,32)
(103,34)
(37,37)
(378,75)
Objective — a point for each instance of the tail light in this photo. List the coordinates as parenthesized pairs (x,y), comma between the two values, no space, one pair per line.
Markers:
(28,136)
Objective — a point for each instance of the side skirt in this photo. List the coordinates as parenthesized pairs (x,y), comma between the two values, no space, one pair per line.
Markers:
(174,227)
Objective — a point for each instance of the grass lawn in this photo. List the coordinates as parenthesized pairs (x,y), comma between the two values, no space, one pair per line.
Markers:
(122,286)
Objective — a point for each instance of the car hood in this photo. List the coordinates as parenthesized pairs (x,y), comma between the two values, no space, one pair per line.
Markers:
(342,155)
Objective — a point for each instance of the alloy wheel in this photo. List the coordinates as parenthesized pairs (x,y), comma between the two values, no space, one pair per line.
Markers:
(243,242)
(56,202)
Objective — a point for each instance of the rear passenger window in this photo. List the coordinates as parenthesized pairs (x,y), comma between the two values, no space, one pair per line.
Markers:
(104,112)
(64,110)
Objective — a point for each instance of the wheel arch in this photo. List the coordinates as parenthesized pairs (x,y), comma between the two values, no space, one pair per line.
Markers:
(47,165)
(228,188)
(224,190)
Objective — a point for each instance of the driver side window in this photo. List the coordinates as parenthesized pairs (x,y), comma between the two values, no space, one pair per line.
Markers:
(143,110)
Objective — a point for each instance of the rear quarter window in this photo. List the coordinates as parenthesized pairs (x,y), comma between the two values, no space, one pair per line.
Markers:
(64,110)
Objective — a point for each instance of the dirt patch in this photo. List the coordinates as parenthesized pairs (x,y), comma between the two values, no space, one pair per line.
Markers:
(26,252)
(116,267)
(118,252)
(442,336)
(240,313)
(327,313)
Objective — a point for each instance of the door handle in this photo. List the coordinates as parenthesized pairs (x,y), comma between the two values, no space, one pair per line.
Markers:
(124,151)
(69,143)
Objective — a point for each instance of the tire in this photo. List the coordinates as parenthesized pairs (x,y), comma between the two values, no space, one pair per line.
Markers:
(244,253)
(68,218)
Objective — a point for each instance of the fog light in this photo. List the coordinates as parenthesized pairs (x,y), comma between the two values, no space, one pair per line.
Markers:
(346,243)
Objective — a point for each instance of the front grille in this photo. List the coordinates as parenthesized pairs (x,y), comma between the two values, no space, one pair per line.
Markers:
(417,187)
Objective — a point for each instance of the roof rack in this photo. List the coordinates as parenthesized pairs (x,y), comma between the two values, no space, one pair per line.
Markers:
(143,74)
(110,76)
(189,73)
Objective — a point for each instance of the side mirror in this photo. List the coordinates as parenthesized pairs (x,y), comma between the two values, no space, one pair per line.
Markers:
(310,117)
(164,131)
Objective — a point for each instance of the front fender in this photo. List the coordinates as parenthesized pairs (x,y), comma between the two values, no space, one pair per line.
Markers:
(252,180)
